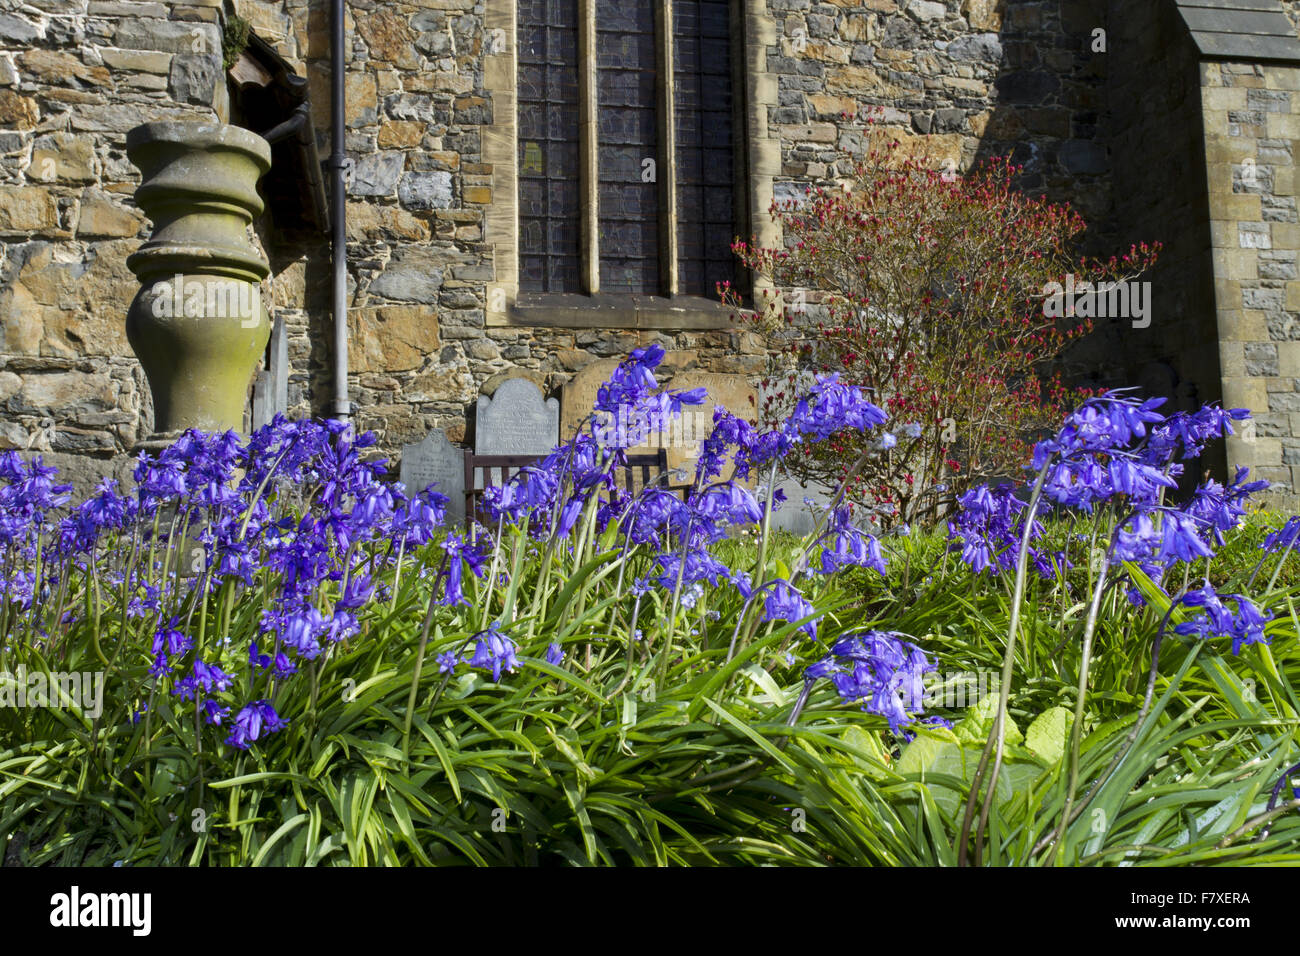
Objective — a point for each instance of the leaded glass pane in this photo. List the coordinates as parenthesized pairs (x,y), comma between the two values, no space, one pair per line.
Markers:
(550,196)
(703,112)
(627,138)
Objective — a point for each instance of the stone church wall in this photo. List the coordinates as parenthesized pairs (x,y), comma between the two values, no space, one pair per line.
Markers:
(958,81)
(74,77)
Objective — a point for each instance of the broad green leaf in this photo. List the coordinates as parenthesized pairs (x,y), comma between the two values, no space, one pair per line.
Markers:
(1047,735)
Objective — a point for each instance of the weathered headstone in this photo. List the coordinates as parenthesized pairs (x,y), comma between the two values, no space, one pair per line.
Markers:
(436,461)
(516,421)
(732,392)
(804,506)
(683,437)
(805,503)
(578,394)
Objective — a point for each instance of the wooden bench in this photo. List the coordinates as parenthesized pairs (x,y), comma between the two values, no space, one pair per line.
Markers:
(488,470)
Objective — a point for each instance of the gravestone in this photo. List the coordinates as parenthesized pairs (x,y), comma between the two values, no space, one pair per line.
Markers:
(804,506)
(683,437)
(732,392)
(578,394)
(436,461)
(797,516)
(516,420)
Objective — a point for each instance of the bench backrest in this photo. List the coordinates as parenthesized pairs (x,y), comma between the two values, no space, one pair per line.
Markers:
(482,471)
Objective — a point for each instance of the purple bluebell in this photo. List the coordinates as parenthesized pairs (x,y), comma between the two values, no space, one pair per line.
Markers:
(252,723)
(495,651)
(784,602)
(880,670)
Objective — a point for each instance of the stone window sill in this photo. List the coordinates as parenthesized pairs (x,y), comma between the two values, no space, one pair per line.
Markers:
(558,310)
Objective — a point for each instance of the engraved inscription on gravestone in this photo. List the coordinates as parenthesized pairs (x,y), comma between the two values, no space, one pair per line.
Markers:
(436,461)
(578,394)
(516,421)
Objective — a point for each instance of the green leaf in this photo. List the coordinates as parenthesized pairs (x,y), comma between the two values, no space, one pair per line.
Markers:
(1047,735)
(939,758)
(976,726)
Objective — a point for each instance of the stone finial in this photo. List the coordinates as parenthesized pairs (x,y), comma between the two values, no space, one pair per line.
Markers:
(197,323)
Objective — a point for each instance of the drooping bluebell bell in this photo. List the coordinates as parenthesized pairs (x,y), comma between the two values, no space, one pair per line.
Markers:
(881,671)
(204,678)
(1283,537)
(459,556)
(170,640)
(845,545)
(495,651)
(784,602)
(418,519)
(214,712)
(692,566)
(341,626)
(356,592)
(831,406)
(301,629)
(1212,618)
(725,503)
(252,723)
(987,528)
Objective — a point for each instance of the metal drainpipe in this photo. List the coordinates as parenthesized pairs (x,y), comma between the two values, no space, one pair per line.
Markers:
(341,407)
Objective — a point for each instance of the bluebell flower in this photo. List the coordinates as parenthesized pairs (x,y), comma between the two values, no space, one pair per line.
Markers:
(215,712)
(694,566)
(845,545)
(569,516)
(301,630)
(204,678)
(417,520)
(256,659)
(784,602)
(1213,618)
(1282,538)
(987,527)
(831,406)
(253,722)
(494,651)
(726,503)
(879,670)
(342,626)
(171,641)
(459,556)
(356,592)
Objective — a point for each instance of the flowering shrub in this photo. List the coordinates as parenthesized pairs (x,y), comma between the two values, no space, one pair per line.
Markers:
(927,290)
(303,663)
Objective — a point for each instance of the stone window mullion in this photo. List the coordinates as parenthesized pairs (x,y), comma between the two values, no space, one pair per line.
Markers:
(667,161)
(589,146)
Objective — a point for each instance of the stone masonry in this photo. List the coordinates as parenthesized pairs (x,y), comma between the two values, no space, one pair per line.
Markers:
(74,77)
(1143,138)
(1252,125)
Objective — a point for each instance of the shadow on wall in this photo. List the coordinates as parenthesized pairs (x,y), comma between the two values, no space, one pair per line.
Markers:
(1098,100)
